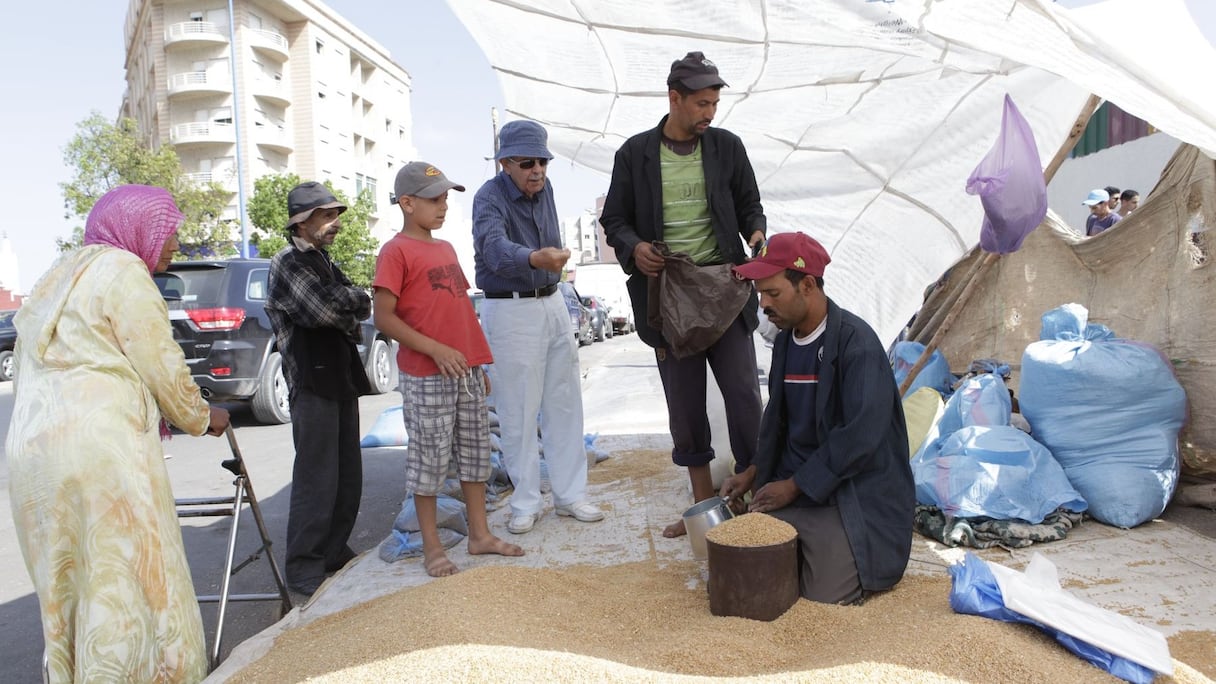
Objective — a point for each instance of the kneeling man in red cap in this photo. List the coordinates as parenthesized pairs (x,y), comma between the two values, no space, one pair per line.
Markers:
(833,453)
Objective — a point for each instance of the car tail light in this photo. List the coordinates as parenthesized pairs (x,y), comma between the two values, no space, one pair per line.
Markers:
(222,318)
(221,372)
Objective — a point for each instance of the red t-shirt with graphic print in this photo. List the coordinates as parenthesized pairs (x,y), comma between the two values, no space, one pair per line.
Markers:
(432,298)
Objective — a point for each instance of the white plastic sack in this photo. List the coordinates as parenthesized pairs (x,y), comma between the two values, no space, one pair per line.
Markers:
(1037,594)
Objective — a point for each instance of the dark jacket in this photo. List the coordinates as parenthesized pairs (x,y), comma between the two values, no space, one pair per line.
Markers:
(861,464)
(633,210)
(315,312)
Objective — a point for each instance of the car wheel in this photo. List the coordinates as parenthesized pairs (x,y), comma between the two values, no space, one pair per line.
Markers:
(609,331)
(7,362)
(600,335)
(270,403)
(380,367)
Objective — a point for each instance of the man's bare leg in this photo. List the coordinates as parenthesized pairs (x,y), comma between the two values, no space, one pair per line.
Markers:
(702,488)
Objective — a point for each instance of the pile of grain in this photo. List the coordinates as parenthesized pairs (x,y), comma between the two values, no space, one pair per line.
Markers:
(751,530)
(517,624)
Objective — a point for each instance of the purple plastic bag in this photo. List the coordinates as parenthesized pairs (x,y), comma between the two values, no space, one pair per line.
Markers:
(1009,181)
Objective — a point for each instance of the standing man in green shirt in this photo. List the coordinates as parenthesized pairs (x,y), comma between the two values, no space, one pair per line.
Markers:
(692,187)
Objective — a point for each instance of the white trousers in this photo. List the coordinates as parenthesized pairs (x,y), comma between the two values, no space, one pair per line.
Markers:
(535,371)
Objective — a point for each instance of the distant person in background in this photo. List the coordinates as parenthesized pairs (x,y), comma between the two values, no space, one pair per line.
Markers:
(1113,202)
(691,186)
(100,374)
(421,300)
(1128,201)
(315,311)
(1100,216)
(519,258)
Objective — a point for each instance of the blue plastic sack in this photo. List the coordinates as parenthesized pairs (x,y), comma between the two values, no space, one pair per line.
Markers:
(980,400)
(388,430)
(400,544)
(995,472)
(974,591)
(1009,181)
(1110,411)
(450,514)
(935,373)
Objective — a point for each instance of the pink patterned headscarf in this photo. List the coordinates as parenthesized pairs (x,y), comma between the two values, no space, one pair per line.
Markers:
(137,218)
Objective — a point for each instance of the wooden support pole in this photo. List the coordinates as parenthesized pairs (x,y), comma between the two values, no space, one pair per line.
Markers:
(975,274)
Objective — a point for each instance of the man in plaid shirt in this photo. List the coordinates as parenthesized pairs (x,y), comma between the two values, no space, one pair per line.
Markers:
(315,312)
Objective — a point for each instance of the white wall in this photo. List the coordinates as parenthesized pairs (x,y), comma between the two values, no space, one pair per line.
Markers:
(1136,164)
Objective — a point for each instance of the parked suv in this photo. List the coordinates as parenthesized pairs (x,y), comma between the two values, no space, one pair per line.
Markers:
(8,340)
(217,309)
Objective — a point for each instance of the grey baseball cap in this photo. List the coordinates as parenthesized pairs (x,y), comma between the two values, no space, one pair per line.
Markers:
(420,179)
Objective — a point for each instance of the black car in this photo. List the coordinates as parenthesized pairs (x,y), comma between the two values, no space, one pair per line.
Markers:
(8,340)
(218,313)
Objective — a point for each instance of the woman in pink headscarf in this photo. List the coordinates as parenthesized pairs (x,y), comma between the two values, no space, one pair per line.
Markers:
(97,370)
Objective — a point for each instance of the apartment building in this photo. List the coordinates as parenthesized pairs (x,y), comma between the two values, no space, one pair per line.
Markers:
(281,86)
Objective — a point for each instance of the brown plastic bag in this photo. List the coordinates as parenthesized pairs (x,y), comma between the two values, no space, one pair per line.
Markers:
(693,305)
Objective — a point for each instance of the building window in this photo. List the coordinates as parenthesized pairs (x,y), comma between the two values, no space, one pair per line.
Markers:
(196,16)
(320,95)
(320,47)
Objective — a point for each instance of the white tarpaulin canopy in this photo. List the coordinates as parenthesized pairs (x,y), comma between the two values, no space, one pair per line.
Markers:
(863,118)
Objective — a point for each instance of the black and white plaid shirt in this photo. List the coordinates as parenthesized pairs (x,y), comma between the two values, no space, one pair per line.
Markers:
(307,289)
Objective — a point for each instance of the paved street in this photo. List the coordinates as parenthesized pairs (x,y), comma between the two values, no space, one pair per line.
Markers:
(196,472)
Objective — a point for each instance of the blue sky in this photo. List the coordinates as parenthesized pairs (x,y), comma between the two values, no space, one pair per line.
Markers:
(58,66)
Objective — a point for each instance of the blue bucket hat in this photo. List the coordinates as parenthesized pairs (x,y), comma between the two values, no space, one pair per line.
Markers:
(523,139)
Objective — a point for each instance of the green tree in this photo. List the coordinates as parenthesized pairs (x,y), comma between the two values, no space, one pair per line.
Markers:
(105,155)
(354,249)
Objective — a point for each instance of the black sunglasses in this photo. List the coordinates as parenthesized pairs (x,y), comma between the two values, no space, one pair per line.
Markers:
(526,164)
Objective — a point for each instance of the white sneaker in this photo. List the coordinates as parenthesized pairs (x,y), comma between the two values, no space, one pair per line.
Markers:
(522,522)
(581,511)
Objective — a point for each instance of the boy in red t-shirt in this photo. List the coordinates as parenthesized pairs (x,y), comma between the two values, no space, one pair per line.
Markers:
(421,300)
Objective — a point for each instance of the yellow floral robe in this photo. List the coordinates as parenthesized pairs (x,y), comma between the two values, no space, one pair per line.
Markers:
(97,367)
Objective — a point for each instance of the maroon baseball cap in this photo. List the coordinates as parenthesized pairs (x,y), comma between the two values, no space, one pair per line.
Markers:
(796,251)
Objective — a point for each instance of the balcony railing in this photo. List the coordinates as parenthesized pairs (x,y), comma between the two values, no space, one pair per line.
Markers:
(198,81)
(201,178)
(269,41)
(202,132)
(268,87)
(196,31)
(273,136)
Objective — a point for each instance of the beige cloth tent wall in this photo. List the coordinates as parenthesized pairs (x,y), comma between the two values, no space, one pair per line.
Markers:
(1150,278)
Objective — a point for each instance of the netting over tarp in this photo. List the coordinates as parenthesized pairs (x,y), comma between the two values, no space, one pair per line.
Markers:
(863,118)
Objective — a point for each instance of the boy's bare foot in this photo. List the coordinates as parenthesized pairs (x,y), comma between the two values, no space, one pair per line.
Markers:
(438,565)
(492,544)
(675,529)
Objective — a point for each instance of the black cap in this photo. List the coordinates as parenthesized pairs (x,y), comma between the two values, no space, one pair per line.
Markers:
(695,72)
(306,198)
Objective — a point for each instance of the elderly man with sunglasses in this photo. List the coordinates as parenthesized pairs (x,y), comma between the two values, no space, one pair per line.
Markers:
(519,261)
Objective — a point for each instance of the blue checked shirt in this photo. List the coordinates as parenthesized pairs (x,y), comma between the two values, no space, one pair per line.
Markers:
(507,227)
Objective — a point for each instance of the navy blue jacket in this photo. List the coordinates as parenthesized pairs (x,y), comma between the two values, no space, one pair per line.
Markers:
(633,209)
(861,464)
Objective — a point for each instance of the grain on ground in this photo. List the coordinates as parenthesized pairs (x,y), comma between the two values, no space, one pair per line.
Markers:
(588,622)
